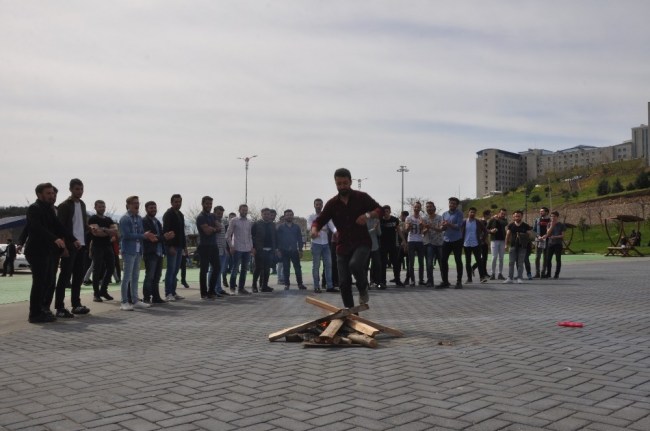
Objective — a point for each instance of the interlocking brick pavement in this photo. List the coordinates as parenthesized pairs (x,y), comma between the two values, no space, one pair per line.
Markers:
(488,357)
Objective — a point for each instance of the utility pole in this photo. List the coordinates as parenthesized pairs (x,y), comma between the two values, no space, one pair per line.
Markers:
(246,160)
(402,169)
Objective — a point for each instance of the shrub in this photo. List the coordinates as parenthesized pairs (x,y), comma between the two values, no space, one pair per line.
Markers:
(617,187)
(603,188)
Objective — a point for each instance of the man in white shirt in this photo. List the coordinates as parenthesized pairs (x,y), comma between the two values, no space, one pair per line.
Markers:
(414,227)
(320,249)
(240,239)
(432,239)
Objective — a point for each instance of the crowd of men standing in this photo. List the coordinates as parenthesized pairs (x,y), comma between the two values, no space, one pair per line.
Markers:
(351,234)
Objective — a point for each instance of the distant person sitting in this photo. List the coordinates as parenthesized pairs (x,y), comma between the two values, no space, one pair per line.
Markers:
(624,243)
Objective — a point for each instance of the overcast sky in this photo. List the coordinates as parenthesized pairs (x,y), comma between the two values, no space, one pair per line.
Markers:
(159,97)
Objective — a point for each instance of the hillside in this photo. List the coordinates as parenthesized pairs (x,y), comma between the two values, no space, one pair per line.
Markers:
(574,194)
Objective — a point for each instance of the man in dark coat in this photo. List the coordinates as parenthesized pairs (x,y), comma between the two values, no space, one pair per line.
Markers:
(46,240)
(10,257)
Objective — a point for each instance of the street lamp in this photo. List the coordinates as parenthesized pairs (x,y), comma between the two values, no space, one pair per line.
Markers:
(402,169)
(359,181)
(246,160)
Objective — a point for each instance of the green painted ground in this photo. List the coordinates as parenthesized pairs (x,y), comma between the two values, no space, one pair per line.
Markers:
(16,288)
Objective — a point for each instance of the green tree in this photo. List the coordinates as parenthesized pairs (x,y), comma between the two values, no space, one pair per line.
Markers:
(566,195)
(603,188)
(617,187)
(535,198)
(642,180)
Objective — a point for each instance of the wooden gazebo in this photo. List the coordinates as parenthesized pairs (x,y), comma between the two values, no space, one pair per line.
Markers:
(619,243)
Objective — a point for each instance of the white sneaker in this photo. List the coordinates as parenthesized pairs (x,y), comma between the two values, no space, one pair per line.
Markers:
(177,297)
(170,297)
(141,304)
(519,281)
(508,281)
(126,307)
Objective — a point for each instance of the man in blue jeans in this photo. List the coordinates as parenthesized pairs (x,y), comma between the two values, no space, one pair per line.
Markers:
(153,252)
(452,243)
(240,239)
(223,252)
(208,250)
(290,246)
(433,239)
(320,249)
(349,210)
(132,235)
(174,221)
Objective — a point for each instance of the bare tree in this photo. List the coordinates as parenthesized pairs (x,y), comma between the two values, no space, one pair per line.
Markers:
(191,213)
(410,201)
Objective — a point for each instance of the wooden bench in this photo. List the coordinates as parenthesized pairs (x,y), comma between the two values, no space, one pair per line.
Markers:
(623,251)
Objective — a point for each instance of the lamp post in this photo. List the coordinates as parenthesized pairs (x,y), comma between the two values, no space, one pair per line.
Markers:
(246,160)
(402,169)
(359,181)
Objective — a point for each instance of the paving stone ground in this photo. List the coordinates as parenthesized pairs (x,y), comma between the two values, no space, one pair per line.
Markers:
(503,363)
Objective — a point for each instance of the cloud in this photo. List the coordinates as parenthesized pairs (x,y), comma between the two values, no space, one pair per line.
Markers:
(162,97)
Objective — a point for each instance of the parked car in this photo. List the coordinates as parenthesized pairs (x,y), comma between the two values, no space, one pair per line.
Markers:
(19,264)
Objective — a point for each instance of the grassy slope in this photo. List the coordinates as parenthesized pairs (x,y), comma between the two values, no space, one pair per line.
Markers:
(596,239)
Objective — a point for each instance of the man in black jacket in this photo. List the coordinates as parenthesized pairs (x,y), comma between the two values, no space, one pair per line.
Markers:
(102,229)
(153,253)
(10,257)
(73,216)
(265,243)
(46,237)
(174,221)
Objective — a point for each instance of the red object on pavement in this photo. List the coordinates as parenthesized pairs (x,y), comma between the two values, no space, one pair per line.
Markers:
(569,324)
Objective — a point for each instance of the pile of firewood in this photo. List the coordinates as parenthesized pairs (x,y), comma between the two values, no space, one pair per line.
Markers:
(341,328)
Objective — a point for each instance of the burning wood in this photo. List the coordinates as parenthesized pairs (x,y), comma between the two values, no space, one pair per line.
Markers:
(341,328)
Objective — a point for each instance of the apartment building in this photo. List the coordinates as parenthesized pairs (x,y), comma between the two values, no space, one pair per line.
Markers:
(498,171)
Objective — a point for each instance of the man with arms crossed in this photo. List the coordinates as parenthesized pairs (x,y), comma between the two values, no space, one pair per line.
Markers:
(497,230)
(452,243)
(414,227)
(46,241)
(433,239)
(102,228)
(174,221)
(153,252)
(132,235)
(206,222)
